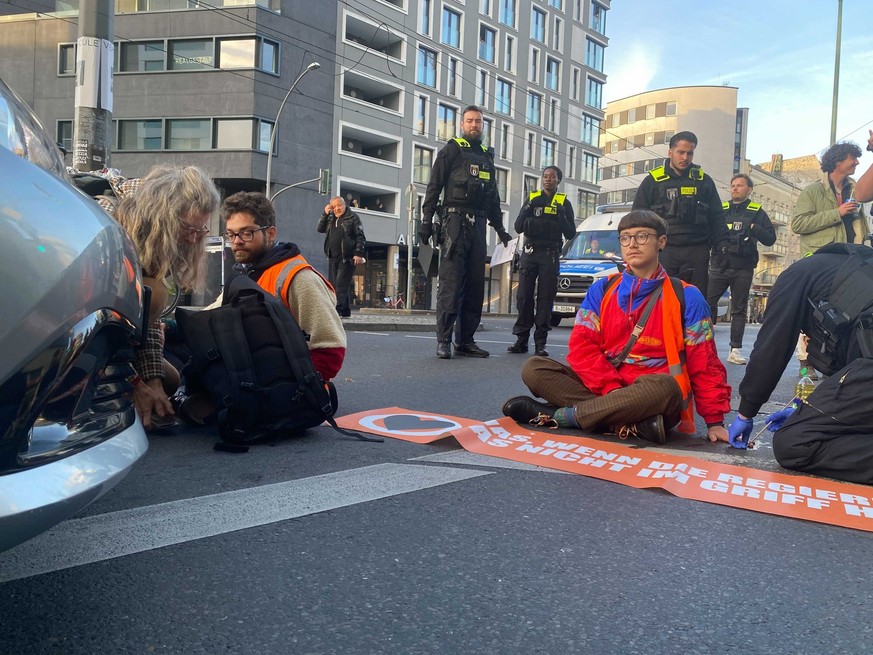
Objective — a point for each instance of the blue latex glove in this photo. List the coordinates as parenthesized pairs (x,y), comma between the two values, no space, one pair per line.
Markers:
(739,432)
(777,419)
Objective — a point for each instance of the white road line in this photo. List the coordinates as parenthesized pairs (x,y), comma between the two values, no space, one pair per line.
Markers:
(502,343)
(464,458)
(115,534)
(377,334)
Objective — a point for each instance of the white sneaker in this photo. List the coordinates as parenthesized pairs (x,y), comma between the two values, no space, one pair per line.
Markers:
(735,357)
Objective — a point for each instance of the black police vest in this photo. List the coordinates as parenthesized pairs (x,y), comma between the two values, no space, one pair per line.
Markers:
(543,226)
(678,198)
(472,178)
(738,223)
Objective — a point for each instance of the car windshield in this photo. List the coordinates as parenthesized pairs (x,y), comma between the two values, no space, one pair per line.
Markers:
(22,133)
(601,244)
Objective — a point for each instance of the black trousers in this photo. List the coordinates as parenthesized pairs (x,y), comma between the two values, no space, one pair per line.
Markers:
(537,286)
(461,286)
(340,276)
(740,281)
(691,263)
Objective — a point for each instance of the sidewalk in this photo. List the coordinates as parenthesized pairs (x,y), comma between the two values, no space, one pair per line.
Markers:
(399,320)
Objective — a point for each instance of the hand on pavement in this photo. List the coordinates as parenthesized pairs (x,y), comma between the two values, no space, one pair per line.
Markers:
(149,398)
(717,433)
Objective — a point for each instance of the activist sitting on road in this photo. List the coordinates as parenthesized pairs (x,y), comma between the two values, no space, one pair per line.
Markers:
(634,387)
(829,296)
(251,231)
(167,215)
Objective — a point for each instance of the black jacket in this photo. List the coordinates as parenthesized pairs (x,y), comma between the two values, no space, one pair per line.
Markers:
(353,239)
(543,228)
(788,313)
(746,228)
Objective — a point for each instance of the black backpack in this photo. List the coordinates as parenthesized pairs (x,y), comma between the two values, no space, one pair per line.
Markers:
(252,358)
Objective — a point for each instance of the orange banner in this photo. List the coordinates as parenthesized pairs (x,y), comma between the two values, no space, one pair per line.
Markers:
(782,494)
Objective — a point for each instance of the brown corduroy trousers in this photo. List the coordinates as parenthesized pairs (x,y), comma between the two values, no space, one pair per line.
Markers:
(648,396)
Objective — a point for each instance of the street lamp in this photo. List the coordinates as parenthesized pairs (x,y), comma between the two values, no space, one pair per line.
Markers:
(311,67)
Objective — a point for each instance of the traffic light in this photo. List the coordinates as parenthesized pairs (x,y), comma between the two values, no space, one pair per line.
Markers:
(324,181)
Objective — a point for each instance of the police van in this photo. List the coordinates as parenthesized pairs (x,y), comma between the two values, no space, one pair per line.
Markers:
(590,255)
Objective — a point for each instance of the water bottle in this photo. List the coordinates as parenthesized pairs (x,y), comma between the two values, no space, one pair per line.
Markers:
(804,386)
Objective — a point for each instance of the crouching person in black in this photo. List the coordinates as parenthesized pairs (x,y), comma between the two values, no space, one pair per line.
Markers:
(829,296)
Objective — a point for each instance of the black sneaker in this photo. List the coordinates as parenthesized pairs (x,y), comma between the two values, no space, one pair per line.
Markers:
(540,351)
(444,350)
(470,350)
(650,429)
(526,410)
(520,346)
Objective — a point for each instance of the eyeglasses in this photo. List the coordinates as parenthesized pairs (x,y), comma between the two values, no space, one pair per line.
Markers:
(244,235)
(639,237)
(188,230)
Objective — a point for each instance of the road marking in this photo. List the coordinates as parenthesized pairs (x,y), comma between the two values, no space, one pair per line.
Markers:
(126,532)
(502,343)
(465,458)
(375,334)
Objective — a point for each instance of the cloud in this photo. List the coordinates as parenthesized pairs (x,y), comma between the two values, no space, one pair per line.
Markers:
(637,68)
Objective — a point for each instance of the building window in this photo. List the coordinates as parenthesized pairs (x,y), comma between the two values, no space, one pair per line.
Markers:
(586,203)
(424,17)
(503,97)
(556,33)
(594,55)
(597,21)
(534,108)
(590,130)
(482,89)
(425,72)
(65,135)
(547,156)
(553,116)
(422,162)
(233,134)
(557,4)
(451,32)
(191,55)
(614,119)
(553,74)
(594,94)
(269,57)
(530,185)
(447,119)
(509,54)
(67,59)
(141,135)
(668,135)
(650,139)
(534,73)
(671,109)
(529,149)
(538,25)
(487,38)
(650,111)
(421,115)
(236,53)
(141,57)
(502,181)
(189,134)
(632,115)
(487,132)
(574,84)
(571,162)
(589,168)
(265,131)
(485,7)
(507,12)
(505,141)
(452,77)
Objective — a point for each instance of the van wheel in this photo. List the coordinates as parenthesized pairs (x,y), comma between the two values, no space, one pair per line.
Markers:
(555,320)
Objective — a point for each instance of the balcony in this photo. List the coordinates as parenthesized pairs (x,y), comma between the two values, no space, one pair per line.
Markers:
(365,143)
(371,91)
(375,37)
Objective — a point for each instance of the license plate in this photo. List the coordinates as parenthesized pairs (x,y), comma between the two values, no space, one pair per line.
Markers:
(564,309)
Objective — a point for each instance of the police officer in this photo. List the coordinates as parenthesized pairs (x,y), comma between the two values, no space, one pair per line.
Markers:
(747,224)
(464,174)
(829,296)
(544,219)
(686,197)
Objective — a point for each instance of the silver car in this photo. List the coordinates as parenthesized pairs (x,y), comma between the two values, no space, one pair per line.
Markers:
(70,314)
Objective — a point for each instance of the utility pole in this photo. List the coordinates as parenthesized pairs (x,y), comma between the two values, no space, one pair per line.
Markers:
(836,73)
(92,140)
(411,198)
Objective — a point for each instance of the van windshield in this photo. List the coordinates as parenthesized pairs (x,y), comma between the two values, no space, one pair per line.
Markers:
(598,244)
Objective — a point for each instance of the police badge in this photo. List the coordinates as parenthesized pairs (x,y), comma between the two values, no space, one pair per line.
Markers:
(474,170)
(671,194)
(538,211)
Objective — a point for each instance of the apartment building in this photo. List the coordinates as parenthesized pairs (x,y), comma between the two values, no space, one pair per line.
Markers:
(202,83)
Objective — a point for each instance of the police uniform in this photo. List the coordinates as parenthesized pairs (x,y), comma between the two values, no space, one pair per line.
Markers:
(544,221)
(690,205)
(815,295)
(464,174)
(734,265)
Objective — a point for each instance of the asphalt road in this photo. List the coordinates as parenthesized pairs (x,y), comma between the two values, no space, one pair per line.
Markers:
(322,544)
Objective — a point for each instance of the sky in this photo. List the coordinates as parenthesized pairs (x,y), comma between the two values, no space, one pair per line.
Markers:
(778,53)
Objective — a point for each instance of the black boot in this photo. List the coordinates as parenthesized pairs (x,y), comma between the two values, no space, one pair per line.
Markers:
(524,409)
(520,346)
(650,429)
(444,349)
(470,350)
(540,349)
